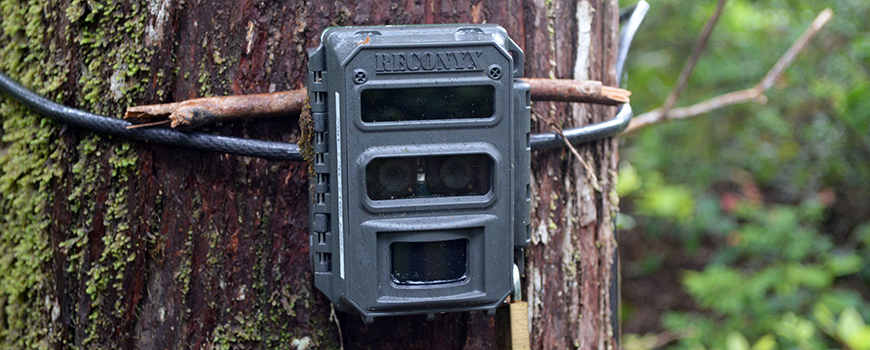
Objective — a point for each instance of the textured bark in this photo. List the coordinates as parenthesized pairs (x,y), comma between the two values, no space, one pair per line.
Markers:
(568,265)
(152,247)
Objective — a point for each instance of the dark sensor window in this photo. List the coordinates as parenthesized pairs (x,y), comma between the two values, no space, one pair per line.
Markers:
(428,176)
(434,103)
(429,262)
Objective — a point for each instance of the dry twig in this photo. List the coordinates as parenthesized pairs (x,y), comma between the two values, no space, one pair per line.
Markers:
(587,91)
(200,111)
(590,174)
(671,100)
(211,109)
(756,93)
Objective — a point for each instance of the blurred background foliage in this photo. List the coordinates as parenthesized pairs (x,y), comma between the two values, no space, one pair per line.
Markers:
(749,227)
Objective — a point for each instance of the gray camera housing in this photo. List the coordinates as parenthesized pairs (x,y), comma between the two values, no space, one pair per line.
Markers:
(367,252)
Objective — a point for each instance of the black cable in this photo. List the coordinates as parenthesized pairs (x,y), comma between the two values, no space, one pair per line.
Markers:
(623,116)
(625,13)
(288,151)
(112,126)
(635,16)
(584,134)
(633,22)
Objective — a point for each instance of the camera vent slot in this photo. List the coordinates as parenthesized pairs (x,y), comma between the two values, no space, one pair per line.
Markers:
(321,238)
(324,262)
(317,75)
(320,198)
(319,97)
(320,145)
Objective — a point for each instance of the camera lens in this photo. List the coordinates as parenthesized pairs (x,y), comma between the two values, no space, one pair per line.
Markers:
(456,172)
(428,176)
(395,175)
(458,175)
(391,178)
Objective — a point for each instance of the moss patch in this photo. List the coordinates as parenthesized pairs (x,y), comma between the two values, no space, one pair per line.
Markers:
(107,39)
(306,138)
(28,309)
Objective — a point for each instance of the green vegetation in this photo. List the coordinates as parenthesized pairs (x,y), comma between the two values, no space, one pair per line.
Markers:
(27,168)
(74,243)
(33,157)
(772,198)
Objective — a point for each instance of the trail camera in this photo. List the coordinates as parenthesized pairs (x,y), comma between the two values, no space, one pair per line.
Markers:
(421,188)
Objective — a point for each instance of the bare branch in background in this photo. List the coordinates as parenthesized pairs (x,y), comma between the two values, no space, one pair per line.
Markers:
(655,341)
(671,100)
(755,93)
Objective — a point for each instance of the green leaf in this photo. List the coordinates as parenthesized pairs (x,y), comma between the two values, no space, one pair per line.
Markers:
(824,317)
(629,180)
(860,340)
(625,222)
(845,264)
(767,342)
(674,202)
(850,324)
(737,341)
(795,328)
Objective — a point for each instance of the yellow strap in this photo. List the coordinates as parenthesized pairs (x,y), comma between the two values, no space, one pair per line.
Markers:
(513,326)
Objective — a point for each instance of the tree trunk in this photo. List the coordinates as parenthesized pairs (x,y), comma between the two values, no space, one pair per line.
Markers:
(117,244)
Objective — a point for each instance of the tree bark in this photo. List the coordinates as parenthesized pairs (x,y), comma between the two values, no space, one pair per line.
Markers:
(117,244)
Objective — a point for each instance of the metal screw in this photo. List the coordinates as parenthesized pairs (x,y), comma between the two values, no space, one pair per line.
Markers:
(494,72)
(359,76)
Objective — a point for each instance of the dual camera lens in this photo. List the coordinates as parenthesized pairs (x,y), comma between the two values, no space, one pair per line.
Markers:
(428,176)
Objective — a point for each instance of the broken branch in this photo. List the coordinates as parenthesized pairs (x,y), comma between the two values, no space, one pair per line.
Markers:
(755,93)
(587,91)
(200,111)
(212,109)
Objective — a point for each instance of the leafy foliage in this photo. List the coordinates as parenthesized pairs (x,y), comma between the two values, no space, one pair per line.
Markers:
(776,192)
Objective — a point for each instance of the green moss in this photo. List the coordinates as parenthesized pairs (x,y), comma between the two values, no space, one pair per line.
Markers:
(110,39)
(109,48)
(99,173)
(27,168)
(82,203)
(204,80)
(306,137)
(237,333)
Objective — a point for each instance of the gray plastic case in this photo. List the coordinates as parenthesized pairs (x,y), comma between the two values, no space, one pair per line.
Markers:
(351,233)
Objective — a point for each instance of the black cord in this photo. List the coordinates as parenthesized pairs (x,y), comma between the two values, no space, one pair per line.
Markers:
(589,133)
(112,126)
(623,116)
(288,151)
(625,13)
(636,14)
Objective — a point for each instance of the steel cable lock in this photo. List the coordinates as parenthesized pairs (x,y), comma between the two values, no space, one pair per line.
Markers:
(431,126)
